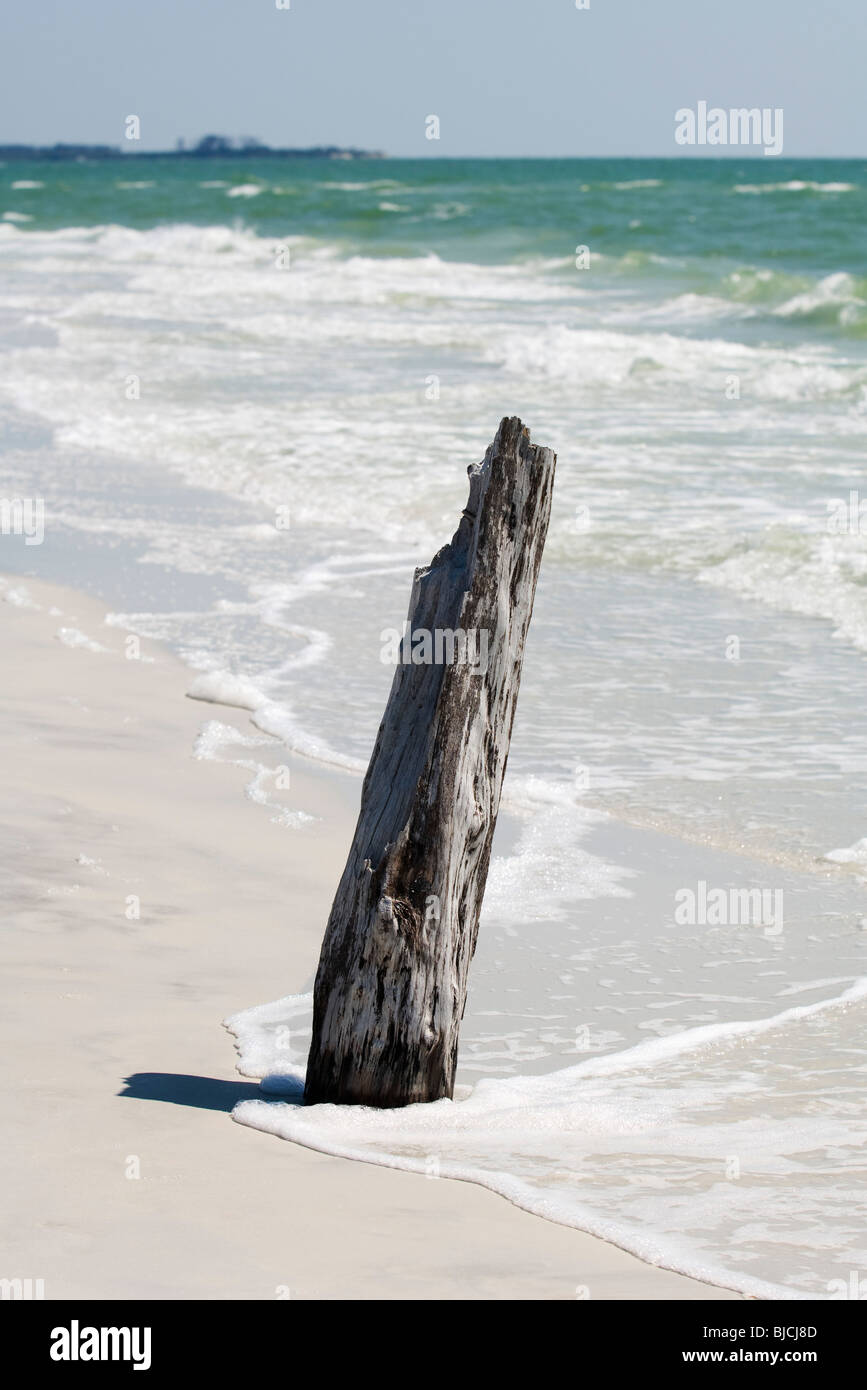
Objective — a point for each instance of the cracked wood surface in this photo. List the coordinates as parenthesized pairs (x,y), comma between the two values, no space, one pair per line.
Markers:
(392,980)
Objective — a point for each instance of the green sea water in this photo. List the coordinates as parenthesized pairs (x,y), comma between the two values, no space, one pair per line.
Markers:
(801,216)
(503,208)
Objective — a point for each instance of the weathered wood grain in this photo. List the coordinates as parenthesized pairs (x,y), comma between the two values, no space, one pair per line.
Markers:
(392,980)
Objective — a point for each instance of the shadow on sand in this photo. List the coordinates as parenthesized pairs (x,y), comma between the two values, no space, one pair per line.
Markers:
(201,1092)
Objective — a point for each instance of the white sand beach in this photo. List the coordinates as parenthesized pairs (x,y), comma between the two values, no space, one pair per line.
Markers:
(120,1065)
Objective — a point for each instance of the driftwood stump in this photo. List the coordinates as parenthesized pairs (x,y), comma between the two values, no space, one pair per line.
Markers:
(392,980)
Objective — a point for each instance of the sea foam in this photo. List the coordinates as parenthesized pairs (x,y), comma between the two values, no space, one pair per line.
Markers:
(678,1149)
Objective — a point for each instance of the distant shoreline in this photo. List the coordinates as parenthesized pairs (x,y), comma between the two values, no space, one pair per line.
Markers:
(81,153)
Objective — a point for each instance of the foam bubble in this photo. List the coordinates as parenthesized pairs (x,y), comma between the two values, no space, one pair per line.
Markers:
(853,854)
(225,688)
(71,637)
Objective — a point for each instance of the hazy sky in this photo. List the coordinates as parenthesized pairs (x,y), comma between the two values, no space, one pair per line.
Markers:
(505,77)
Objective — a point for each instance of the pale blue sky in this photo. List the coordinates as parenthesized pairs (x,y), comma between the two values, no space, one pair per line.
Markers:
(506,77)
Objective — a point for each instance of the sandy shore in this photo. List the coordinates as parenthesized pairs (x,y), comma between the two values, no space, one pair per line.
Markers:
(114,1020)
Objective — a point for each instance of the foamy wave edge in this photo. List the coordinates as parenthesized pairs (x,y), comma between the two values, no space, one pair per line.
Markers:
(287,1121)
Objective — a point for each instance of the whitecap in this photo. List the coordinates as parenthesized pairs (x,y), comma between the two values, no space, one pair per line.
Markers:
(795,186)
